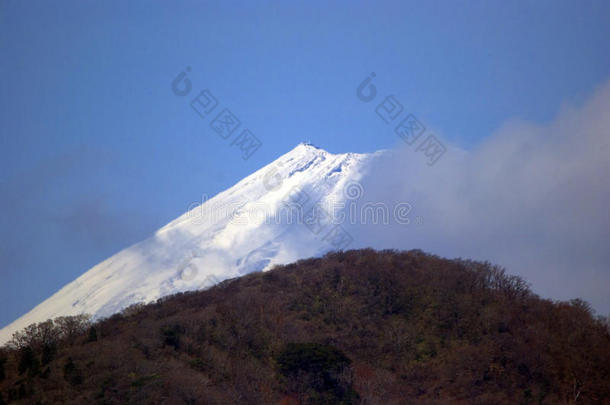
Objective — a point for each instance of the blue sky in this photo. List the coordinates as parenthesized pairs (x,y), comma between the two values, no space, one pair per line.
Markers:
(96,151)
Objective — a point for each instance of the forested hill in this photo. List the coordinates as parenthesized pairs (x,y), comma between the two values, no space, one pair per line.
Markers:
(359,327)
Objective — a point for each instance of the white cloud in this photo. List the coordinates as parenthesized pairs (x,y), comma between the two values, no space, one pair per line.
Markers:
(534,198)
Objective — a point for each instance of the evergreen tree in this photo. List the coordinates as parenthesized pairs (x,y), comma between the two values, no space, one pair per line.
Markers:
(92,334)
(28,362)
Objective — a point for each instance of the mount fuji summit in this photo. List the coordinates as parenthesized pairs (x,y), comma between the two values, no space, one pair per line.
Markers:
(281,213)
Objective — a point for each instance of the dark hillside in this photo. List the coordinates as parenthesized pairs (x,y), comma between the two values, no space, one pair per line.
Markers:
(360,327)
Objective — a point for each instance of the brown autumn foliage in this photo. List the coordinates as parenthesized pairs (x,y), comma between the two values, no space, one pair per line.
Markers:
(360,327)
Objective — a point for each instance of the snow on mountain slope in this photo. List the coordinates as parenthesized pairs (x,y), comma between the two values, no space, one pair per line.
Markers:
(270,217)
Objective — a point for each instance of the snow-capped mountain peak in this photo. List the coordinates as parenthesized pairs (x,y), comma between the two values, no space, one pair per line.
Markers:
(268,218)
